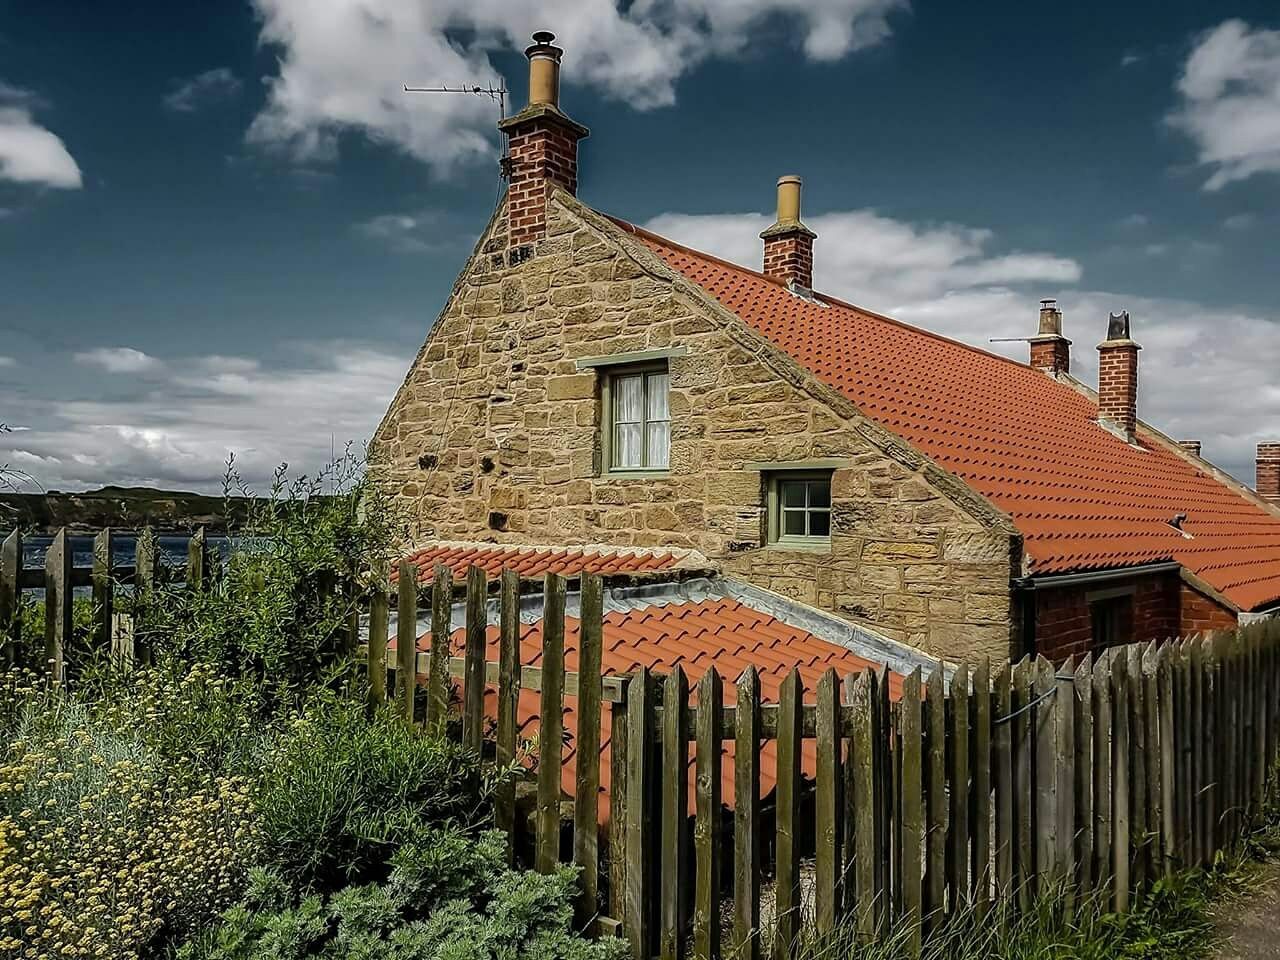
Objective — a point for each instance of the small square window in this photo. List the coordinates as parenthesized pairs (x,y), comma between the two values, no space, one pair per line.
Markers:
(637,419)
(800,509)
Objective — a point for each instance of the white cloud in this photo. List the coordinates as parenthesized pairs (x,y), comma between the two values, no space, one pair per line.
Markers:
(1240,221)
(30,153)
(203,89)
(180,429)
(1207,372)
(402,232)
(118,359)
(7,361)
(1230,89)
(343,63)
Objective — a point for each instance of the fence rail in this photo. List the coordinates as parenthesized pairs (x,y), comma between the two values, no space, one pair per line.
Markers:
(1006,782)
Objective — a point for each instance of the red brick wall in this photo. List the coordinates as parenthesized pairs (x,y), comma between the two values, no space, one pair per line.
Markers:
(1118,385)
(1161,609)
(1268,472)
(790,257)
(1200,613)
(1051,354)
(542,153)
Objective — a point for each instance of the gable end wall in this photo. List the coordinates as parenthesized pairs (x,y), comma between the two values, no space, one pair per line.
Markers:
(495,436)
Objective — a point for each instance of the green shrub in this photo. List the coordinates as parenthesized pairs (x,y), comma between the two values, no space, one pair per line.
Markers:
(448,897)
(273,613)
(340,791)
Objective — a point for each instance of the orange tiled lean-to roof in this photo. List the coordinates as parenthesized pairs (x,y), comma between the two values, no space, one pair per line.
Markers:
(534,561)
(1082,498)
(722,632)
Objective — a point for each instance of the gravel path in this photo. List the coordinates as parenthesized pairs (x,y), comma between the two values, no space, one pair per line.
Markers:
(1251,928)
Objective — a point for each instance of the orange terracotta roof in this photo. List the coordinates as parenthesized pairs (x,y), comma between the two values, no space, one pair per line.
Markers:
(1082,498)
(535,561)
(723,633)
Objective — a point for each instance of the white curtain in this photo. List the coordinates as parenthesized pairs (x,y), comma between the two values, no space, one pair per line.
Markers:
(628,407)
(659,420)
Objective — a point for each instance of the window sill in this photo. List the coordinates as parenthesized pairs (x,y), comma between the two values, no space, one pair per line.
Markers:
(635,474)
(802,546)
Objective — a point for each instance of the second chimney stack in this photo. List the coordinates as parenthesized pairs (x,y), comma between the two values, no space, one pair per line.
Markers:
(1050,350)
(1268,478)
(1118,378)
(788,244)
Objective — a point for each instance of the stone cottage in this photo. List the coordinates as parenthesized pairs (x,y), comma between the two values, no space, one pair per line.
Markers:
(591,383)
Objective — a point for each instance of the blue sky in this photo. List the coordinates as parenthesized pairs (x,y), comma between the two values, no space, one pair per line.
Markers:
(224,227)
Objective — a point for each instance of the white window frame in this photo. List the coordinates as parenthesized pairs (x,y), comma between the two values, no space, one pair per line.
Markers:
(608,420)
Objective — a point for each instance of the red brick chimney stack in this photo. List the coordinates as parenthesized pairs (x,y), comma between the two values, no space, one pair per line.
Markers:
(788,244)
(1050,350)
(543,145)
(1268,481)
(1118,378)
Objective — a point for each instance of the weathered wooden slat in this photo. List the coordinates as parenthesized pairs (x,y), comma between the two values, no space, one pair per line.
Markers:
(618,792)
(980,805)
(146,578)
(1005,841)
(882,711)
(550,725)
(1023,782)
(1121,851)
(508,719)
(473,683)
(862,808)
(958,894)
(746,822)
(379,622)
(586,829)
(1139,804)
(1045,798)
(787,811)
(639,829)
(198,561)
(10,592)
(1257,705)
(59,625)
(1064,750)
(1082,723)
(1160,722)
(910,826)
(103,577)
(827,846)
(706,833)
(406,638)
(1228,726)
(1212,746)
(438,663)
(673,857)
(935,878)
(1103,820)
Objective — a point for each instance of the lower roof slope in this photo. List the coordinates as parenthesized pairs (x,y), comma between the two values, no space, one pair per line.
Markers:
(535,561)
(723,634)
(1082,498)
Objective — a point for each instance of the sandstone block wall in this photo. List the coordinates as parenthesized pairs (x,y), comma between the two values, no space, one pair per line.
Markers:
(495,435)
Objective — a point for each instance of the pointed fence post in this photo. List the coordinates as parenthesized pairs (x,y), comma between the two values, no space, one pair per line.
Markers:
(379,623)
(706,834)
(438,683)
(982,763)
(103,580)
(146,571)
(787,806)
(863,809)
(509,676)
(1121,851)
(1082,721)
(58,633)
(827,866)
(910,826)
(639,827)
(746,826)
(1002,768)
(473,663)
(958,890)
(935,878)
(10,596)
(550,725)
(673,858)
(586,825)
(406,638)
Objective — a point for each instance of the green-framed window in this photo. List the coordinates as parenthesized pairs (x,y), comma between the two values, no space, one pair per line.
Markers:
(637,435)
(800,508)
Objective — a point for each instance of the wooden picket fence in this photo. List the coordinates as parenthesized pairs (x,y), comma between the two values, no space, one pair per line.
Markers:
(1001,783)
(59,578)
(980,784)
